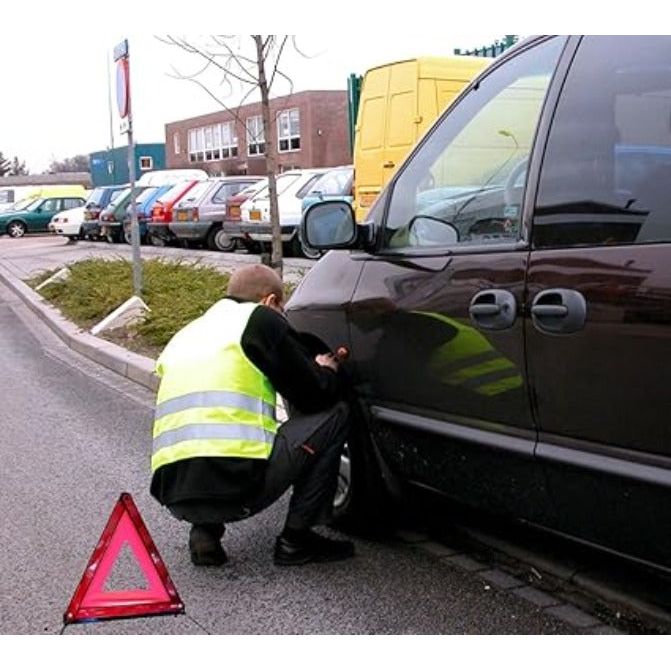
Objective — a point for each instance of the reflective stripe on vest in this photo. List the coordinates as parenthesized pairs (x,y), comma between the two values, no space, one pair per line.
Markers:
(212,400)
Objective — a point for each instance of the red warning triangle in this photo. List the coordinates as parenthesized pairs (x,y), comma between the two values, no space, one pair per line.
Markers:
(92,602)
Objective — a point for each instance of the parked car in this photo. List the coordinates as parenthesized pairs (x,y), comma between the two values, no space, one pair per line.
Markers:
(145,204)
(509,343)
(68,223)
(112,217)
(199,215)
(292,186)
(35,217)
(232,217)
(336,184)
(161,215)
(97,201)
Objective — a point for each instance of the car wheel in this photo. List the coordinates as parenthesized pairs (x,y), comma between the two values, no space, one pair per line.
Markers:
(16,229)
(220,241)
(361,503)
(156,240)
(127,236)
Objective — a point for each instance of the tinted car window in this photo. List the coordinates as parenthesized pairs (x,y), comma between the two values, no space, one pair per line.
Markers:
(465,184)
(607,168)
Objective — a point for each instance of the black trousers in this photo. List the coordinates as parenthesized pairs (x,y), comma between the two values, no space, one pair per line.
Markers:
(306,454)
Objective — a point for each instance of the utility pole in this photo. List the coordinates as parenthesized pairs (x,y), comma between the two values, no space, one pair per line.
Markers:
(124,103)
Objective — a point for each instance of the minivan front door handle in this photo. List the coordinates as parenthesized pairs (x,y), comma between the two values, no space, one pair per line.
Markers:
(493,309)
(559,311)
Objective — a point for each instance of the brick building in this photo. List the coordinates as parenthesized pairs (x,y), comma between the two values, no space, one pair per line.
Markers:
(311,131)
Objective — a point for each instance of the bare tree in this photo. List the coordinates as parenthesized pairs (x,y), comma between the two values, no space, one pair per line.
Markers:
(249,64)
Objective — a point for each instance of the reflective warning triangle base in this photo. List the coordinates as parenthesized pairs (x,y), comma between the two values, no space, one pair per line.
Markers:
(92,602)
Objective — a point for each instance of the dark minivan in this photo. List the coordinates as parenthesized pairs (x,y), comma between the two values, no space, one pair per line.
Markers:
(507,304)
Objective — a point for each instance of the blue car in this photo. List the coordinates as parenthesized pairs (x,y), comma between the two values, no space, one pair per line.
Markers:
(144,203)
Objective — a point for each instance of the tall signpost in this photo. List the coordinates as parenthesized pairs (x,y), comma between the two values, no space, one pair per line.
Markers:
(123,102)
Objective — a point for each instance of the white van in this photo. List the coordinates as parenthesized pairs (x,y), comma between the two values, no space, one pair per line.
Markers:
(163,177)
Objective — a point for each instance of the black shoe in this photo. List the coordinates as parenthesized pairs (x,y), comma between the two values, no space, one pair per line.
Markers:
(205,546)
(310,547)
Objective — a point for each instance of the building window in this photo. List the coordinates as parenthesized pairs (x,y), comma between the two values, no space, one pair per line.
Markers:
(146,162)
(209,143)
(256,142)
(176,143)
(196,145)
(229,140)
(288,130)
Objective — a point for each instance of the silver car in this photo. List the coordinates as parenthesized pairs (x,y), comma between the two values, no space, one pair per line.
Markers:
(199,215)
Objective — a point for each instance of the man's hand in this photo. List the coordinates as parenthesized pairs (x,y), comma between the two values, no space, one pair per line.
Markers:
(327,361)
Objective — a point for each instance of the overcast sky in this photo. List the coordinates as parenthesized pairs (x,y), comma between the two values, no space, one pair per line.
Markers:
(59,105)
(54,58)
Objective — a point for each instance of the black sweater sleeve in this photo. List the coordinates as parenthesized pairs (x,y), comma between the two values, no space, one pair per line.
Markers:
(277,351)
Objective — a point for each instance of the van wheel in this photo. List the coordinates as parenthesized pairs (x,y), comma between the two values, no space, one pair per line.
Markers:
(16,229)
(219,241)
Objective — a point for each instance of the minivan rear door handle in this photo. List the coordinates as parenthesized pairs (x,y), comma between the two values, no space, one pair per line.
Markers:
(493,309)
(559,311)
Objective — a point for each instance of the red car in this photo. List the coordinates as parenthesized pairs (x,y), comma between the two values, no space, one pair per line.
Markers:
(161,214)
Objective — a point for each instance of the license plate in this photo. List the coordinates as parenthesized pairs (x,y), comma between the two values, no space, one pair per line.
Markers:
(255,215)
(234,211)
(182,216)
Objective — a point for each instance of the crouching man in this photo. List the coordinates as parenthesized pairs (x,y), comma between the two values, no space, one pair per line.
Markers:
(218,453)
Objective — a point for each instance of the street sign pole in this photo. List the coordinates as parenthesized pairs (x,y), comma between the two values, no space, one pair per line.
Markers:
(124,102)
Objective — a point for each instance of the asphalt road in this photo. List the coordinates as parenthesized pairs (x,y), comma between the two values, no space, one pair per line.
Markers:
(74,436)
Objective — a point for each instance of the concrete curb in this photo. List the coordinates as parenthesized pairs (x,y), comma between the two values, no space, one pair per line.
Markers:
(136,367)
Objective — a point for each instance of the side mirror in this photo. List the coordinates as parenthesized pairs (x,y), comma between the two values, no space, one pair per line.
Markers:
(330,225)
(427,231)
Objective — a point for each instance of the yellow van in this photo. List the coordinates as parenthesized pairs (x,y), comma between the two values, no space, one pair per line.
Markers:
(17,197)
(399,101)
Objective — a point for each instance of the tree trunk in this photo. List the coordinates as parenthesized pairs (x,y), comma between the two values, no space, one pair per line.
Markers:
(271,158)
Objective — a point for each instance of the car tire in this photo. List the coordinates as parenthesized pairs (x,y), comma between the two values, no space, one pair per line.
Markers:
(219,241)
(157,240)
(16,229)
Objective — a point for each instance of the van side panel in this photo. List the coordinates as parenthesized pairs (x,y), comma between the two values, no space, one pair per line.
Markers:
(399,102)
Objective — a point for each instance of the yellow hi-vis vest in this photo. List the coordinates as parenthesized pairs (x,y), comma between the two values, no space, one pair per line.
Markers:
(212,400)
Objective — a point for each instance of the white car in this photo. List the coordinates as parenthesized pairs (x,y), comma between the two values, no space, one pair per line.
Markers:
(292,186)
(68,223)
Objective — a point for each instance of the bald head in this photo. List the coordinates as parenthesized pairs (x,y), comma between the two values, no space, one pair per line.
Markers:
(255,283)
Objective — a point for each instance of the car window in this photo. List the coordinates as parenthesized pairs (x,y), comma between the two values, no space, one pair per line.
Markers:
(229,189)
(282,182)
(96,197)
(175,192)
(119,196)
(51,205)
(307,187)
(334,183)
(146,195)
(465,184)
(196,193)
(607,167)
(71,203)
